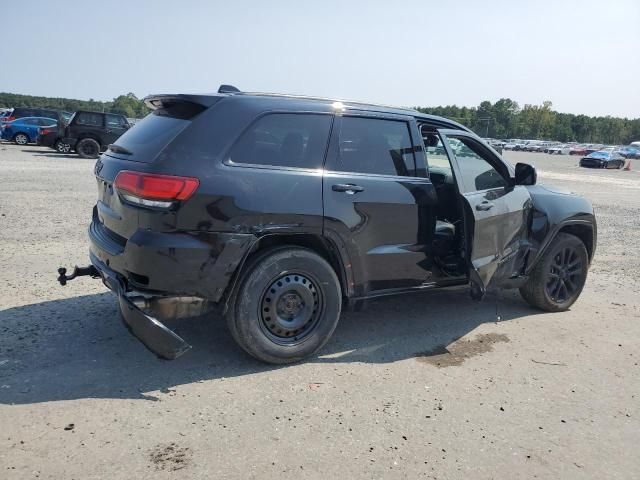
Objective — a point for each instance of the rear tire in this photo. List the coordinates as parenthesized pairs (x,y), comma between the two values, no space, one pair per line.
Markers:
(21,138)
(286,307)
(61,147)
(559,277)
(88,148)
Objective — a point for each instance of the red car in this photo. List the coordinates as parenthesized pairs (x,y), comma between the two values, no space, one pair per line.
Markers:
(578,150)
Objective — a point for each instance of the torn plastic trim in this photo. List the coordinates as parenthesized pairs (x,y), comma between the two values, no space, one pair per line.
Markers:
(153,334)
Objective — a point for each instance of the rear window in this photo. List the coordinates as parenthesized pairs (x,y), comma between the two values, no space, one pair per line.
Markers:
(284,140)
(149,136)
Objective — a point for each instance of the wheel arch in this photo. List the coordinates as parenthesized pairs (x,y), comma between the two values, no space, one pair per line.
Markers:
(318,244)
(92,136)
(584,230)
(23,133)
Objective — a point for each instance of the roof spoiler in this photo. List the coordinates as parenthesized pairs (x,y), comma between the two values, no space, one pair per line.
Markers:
(155,102)
(228,89)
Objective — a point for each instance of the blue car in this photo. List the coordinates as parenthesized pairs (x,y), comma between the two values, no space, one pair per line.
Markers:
(24,130)
(630,152)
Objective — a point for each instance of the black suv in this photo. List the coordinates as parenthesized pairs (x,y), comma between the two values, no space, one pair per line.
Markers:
(89,133)
(283,210)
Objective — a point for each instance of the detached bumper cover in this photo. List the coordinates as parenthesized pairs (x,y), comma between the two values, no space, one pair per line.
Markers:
(151,332)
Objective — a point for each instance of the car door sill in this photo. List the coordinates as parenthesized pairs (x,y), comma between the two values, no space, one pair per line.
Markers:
(454,282)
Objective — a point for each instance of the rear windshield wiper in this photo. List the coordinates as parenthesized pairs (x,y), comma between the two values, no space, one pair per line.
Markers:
(118,149)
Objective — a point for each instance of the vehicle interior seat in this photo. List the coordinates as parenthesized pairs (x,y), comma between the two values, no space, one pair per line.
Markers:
(444,239)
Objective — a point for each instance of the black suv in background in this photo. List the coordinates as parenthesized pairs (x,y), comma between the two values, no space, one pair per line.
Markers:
(89,133)
(282,210)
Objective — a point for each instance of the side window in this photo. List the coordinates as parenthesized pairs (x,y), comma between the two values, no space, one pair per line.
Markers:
(46,121)
(436,154)
(284,140)
(370,145)
(90,119)
(114,121)
(477,173)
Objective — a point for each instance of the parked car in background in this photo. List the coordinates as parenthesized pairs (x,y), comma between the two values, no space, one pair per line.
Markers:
(497,145)
(578,150)
(218,199)
(559,150)
(514,144)
(630,151)
(21,112)
(25,130)
(89,133)
(603,159)
(51,136)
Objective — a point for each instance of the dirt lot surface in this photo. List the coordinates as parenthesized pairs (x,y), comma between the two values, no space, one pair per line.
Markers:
(422,386)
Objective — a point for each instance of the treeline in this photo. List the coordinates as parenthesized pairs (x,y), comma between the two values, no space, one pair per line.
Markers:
(505,119)
(128,105)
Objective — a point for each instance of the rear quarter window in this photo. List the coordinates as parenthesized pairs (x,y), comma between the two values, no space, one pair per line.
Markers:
(89,119)
(296,140)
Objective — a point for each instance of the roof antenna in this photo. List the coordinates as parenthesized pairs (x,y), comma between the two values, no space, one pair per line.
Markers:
(228,89)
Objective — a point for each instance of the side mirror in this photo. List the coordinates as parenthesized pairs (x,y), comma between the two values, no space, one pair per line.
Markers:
(525,174)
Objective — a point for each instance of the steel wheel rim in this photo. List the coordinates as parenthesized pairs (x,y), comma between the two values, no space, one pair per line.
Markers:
(290,308)
(21,139)
(564,276)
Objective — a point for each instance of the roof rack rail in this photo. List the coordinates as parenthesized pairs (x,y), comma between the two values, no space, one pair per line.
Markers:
(228,89)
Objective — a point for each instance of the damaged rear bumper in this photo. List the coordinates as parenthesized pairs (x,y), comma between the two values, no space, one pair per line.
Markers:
(137,310)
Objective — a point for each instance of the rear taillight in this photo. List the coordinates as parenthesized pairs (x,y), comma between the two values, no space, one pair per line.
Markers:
(44,131)
(150,190)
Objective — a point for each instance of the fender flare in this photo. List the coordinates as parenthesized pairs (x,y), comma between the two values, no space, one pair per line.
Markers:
(345,273)
(553,233)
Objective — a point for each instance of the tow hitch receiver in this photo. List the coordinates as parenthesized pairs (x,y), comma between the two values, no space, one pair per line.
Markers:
(77,272)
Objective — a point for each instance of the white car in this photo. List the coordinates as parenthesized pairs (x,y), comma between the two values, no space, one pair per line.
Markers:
(559,150)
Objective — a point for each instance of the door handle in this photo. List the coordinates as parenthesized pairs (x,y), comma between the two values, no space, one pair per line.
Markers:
(484,206)
(349,188)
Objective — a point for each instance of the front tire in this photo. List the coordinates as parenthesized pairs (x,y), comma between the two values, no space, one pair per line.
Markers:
(88,148)
(287,305)
(21,139)
(559,277)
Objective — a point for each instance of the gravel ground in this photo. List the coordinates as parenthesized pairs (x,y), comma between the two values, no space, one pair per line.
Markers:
(422,386)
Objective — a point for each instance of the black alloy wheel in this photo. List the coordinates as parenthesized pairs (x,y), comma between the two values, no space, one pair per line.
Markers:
(558,278)
(564,275)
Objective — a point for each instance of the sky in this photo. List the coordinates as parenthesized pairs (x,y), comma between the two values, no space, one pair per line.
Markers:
(584,56)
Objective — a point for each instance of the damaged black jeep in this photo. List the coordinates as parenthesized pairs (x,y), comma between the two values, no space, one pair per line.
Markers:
(279,211)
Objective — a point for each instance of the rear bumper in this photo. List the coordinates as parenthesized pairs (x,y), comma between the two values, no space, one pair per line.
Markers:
(46,140)
(186,264)
(151,332)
